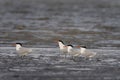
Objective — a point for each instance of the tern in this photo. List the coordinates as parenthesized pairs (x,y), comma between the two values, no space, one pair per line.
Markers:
(22,51)
(86,53)
(63,47)
(72,51)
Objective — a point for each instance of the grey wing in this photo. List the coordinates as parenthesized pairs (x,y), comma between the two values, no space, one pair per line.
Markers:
(64,50)
(89,53)
(24,50)
(75,52)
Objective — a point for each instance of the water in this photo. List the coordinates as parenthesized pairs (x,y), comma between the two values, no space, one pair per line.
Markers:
(37,23)
(47,64)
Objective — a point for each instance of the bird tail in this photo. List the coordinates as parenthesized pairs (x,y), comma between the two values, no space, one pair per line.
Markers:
(94,54)
(30,50)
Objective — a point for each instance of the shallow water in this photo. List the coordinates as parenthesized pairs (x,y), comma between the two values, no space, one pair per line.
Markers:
(38,22)
(47,64)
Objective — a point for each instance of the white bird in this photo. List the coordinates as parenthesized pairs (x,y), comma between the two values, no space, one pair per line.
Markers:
(86,53)
(22,51)
(63,47)
(72,51)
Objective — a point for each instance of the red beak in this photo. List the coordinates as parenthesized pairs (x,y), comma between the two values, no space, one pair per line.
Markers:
(14,44)
(56,41)
(78,46)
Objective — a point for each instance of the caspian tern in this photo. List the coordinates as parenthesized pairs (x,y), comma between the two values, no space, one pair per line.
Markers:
(63,47)
(72,51)
(86,53)
(22,51)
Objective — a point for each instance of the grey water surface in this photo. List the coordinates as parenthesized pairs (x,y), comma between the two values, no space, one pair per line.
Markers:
(48,64)
(94,23)
(37,23)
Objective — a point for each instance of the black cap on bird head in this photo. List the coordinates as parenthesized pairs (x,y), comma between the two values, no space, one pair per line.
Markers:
(19,44)
(61,41)
(70,45)
(83,46)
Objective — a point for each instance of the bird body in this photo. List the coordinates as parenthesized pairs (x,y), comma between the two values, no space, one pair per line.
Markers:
(22,51)
(87,53)
(73,52)
(63,48)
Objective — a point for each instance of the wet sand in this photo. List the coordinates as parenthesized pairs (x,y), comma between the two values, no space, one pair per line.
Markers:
(47,64)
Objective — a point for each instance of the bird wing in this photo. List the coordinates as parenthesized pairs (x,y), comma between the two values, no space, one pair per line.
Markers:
(24,50)
(75,52)
(88,53)
(64,50)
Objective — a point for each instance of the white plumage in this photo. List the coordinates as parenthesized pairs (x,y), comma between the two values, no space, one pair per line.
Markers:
(22,51)
(63,47)
(86,53)
(73,52)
